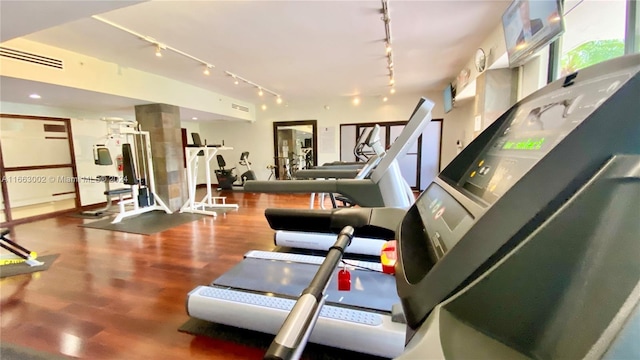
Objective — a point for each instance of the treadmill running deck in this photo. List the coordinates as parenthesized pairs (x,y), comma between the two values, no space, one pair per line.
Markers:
(369,289)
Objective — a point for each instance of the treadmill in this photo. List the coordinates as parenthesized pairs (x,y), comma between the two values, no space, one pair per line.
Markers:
(291,236)
(372,140)
(527,244)
(358,151)
(384,187)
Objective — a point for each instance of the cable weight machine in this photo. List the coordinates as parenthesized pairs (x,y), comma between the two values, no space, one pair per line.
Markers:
(138,174)
(135,169)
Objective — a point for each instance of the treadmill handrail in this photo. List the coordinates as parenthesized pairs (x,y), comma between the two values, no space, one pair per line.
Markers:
(294,333)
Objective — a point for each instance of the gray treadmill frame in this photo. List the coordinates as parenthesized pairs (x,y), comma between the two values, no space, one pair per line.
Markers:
(581,153)
(573,302)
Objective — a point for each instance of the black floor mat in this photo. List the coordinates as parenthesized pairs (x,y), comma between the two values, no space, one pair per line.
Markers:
(261,340)
(15,352)
(145,224)
(22,268)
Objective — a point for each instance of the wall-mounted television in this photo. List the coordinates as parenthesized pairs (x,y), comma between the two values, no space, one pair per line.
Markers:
(529,25)
(449,97)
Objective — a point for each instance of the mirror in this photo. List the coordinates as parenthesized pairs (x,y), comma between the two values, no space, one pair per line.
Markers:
(294,147)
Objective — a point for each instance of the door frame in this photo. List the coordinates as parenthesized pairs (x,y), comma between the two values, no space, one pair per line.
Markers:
(9,221)
(314,145)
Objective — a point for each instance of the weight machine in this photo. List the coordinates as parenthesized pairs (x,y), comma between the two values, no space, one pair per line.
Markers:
(137,169)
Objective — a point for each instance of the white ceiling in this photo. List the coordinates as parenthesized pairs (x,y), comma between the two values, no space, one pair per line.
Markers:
(303,50)
(21,17)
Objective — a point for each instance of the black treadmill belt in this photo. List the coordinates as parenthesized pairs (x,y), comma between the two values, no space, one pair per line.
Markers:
(369,289)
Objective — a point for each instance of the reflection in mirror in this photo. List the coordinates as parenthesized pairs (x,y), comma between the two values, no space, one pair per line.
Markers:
(295,147)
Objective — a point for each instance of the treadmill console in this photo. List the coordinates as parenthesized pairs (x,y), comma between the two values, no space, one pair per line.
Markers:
(445,215)
(533,129)
(515,173)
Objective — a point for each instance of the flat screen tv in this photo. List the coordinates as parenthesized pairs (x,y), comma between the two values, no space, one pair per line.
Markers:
(448,97)
(529,25)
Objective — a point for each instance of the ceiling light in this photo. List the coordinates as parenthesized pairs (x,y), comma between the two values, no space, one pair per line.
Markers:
(158,44)
(386,18)
(384,99)
(206,69)
(356,101)
(261,89)
(35,96)
(264,107)
(194,118)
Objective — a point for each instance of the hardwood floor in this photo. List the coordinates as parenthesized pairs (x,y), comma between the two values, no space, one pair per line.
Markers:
(114,295)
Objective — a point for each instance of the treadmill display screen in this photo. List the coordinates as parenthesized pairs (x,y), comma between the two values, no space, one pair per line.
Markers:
(535,127)
(438,204)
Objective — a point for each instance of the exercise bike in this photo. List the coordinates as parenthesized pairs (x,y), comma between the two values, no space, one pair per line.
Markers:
(249,174)
(227,179)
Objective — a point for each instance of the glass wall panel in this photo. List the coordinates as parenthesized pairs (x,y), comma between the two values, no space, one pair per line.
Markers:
(41,191)
(28,142)
(595,32)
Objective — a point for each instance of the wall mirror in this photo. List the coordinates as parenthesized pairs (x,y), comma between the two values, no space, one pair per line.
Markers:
(294,147)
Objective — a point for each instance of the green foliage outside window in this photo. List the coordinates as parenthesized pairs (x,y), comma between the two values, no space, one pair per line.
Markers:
(591,53)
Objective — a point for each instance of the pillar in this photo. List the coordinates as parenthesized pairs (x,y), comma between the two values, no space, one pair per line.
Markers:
(162,121)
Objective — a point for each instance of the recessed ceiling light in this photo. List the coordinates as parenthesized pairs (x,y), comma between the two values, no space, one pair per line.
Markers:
(264,107)
(35,96)
(194,118)
(384,99)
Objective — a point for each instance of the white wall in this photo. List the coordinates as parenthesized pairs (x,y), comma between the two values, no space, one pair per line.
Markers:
(257,137)
(457,125)
(533,74)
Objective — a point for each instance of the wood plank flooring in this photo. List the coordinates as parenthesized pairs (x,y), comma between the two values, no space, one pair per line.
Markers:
(113,295)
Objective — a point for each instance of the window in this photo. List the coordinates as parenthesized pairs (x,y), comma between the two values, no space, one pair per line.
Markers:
(595,32)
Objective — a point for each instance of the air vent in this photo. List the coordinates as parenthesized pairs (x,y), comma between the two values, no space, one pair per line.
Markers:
(31,58)
(240,107)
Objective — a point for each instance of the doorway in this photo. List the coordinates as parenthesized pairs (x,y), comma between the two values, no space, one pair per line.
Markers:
(294,147)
